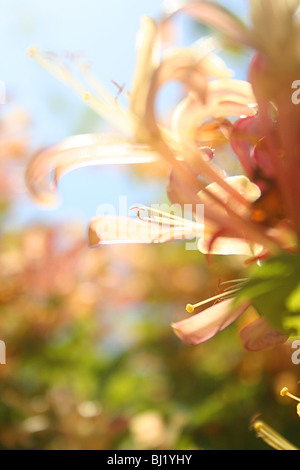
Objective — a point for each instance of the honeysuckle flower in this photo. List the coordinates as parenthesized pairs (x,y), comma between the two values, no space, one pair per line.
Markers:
(256,336)
(203,326)
(274,133)
(131,146)
(192,67)
(255,213)
(154,226)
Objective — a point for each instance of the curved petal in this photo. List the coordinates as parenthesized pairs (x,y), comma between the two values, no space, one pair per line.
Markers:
(224,98)
(147,61)
(110,229)
(245,134)
(79,151)
(219,18)
(258,336)
(228,246)
(241,184)
(206,324)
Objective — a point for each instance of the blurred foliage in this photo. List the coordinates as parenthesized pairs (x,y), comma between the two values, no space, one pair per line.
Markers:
(92,362)
(274,291)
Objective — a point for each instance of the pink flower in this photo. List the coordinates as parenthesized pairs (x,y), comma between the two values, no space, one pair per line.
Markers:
(202,326)
(256,213)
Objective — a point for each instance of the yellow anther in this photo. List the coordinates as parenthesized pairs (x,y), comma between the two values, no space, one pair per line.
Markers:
(190,308)
(258,425)
(284,391)
(32,51)
(225,295)
(86,96)
(272,437)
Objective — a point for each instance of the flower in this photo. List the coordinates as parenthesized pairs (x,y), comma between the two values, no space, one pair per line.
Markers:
(256,336)
(255,213)
(205,325)
(145,140)
(267,144)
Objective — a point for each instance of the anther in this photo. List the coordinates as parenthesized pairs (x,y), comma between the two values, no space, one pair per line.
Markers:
(190,308)
(223,296)
(86,96)
(285,393)
(271,437)
(32,51)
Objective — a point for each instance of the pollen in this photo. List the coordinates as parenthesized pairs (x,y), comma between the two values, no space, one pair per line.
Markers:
(32,51)
(258,425)
(227,294)
(86,96)
(259,215)
(285,393)
(190,308)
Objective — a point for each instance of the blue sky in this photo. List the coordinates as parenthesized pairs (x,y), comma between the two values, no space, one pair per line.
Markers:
(105,32)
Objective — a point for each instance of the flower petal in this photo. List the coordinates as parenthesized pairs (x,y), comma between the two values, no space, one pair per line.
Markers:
(241,184)
(228,246)
(79,151)
(110,229)
(245,134)
(147,62)
(224,98)
(206,324)
(258,336)
(217,17)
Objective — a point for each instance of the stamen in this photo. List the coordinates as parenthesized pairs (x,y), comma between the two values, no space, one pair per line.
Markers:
(285,393)
(190,308)
(107,109)
(167,217)
(120,91)
(233,281)
(31,51)
(94,83)
(271,437)
(236,283)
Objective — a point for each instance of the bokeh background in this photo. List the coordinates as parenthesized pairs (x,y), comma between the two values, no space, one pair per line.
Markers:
(92,362)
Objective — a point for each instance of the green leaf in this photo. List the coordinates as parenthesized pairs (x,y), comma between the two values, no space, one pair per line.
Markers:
(293,302)
(274,290)
(292,323)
